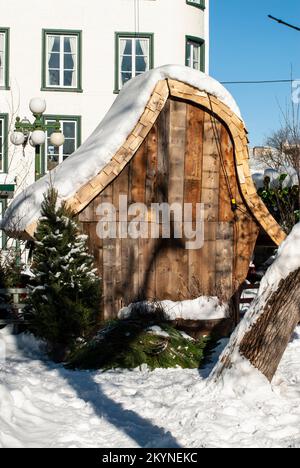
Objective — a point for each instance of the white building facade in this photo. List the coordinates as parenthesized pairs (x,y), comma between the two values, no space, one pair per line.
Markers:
(77,54)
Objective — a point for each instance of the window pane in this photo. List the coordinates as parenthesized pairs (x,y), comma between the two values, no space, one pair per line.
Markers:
(67,44)
(69,78)
(69,129)
(53,61)
(141,64)
(126,46)
(196,53)
(189,55)
(2,59)
(53,44)
(193,55)
(68,147)
(51,151)
(52,157)
(126,64)
(69,63)
(125,77)
(70,44)
(54,77)
(142,47)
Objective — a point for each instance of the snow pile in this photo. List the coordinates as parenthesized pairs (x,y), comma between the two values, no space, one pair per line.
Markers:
(44,405)
(105,141)
(202,308)
(241,380)
(157,331)
(259,176)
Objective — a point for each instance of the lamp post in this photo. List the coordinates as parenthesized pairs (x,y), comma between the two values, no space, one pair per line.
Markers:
(35,133)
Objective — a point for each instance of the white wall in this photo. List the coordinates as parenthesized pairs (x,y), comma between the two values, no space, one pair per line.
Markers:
(169,20)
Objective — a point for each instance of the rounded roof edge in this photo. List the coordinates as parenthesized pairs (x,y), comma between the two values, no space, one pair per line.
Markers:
(99,148)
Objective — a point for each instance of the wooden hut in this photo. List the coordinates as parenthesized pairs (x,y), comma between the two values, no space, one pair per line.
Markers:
(187,146)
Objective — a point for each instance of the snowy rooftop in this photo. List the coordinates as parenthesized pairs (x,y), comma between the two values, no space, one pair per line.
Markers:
(105,141)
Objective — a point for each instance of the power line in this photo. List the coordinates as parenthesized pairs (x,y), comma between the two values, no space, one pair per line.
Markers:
(258,82)
(283,22)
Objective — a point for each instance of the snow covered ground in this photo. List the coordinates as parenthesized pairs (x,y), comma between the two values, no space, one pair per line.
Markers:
(44,405)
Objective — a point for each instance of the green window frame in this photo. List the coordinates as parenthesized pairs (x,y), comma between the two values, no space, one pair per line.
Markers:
(4,58)
(197,3)
(58,154)
(3,236)
(190,43)
(66,63)
(3,143)
(133,37)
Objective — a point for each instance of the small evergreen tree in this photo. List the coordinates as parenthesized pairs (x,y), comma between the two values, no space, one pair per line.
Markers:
(11,269)
(65,290)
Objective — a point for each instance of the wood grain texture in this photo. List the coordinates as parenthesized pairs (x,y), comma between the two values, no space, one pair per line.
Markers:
(187,147)
(187,157)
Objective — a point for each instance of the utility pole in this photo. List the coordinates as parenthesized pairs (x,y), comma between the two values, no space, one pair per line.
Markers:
(284,23)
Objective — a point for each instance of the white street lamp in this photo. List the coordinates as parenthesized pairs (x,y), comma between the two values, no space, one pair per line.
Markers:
(38,137)
(17,138)
(35,133)
(37,105)
(57,139)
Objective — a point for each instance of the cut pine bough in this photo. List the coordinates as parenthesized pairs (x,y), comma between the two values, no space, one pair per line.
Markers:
(261,339)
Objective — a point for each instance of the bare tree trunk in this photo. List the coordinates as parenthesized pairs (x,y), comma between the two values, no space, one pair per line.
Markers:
(264,341)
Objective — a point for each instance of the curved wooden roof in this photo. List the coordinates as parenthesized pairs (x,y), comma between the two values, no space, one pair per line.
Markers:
(162,91)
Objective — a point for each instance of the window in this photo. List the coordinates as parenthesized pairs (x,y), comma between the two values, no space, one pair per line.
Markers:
(197,3)
(195,53)
(134,56)
(4,58)
(62,60)
(71,128)
(3,142)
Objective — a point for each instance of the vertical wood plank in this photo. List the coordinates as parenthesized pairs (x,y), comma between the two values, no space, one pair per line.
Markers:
(228,183)
(210,199)
(172,263)
(109,256)
(120,187)
(192,188)
(211,167)
(224,260)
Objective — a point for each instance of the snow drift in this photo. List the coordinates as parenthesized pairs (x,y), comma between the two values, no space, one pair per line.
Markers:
(44,405)
(202,308)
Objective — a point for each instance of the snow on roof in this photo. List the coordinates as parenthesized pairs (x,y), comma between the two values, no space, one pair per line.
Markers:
(104,142)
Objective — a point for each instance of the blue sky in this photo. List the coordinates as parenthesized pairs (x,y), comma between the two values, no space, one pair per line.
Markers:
(246,45)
